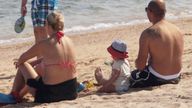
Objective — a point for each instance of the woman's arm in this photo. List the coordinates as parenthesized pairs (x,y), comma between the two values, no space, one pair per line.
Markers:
(35,62)
(35,50)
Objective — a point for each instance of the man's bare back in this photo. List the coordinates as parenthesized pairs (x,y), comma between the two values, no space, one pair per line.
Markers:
(159,60)
(165,42)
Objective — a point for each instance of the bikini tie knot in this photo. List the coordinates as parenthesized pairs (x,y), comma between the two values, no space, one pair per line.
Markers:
(59,35)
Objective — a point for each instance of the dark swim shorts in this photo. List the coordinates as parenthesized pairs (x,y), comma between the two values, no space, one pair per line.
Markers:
(53,93)
(145,78)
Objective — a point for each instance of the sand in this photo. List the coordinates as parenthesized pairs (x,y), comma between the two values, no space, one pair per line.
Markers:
(91,53)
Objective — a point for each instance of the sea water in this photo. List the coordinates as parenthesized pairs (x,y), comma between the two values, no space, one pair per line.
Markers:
(86,15)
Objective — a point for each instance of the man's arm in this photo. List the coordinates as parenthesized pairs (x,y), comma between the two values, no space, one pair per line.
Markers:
(23,7)
(142,57)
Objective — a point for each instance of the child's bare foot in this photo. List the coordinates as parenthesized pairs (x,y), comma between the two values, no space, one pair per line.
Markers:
(98,76)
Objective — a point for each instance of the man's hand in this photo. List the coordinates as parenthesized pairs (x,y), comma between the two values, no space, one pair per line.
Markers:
(23,10)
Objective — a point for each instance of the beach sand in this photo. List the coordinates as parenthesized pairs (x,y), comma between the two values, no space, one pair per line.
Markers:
(91,52)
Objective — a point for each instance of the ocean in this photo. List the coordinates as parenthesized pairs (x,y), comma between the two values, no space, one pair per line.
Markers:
(86,15)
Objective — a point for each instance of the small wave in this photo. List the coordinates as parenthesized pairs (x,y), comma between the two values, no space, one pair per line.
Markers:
(171,16)
(14,40)
(178,15)
(77,29)
(102,25)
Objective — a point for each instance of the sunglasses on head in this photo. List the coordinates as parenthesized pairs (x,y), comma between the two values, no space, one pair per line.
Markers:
(146,9)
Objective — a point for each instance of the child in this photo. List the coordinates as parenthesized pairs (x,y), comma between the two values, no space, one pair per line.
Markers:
(119,80)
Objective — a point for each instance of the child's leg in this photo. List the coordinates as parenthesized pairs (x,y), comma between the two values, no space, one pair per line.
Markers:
(108,89)
(99,77)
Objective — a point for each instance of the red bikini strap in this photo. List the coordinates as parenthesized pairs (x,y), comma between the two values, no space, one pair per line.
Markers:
(59,35)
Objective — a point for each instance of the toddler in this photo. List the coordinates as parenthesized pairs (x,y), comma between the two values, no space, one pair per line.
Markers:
(119,80)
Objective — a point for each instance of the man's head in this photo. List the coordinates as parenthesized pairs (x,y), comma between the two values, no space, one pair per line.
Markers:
(156,10)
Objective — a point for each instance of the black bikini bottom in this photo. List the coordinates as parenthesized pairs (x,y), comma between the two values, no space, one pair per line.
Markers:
(53,93)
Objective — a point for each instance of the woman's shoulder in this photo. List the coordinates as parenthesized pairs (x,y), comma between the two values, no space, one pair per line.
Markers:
(44,44)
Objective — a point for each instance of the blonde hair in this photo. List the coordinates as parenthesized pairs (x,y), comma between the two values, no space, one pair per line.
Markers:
(56,20)
(69,52)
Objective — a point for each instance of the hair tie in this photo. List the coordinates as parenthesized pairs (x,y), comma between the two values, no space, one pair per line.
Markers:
(59,35)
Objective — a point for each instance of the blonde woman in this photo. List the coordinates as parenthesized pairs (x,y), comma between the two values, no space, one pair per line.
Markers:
(53,77)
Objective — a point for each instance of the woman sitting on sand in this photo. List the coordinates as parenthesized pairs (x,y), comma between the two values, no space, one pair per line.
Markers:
(119,80)
(55,78)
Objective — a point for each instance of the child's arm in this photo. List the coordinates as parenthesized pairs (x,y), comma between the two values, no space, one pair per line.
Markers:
(114,76)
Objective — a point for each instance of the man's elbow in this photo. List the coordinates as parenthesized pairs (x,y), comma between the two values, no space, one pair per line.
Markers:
(140,65)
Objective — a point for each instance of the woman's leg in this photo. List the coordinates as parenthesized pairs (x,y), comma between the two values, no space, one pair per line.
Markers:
(39,69)
(25,71)
(18,83)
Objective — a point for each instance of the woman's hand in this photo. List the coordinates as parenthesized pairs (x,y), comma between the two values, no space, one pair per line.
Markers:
(16,63)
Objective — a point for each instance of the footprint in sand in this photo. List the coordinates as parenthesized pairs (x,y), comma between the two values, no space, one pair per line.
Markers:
(7,77)
(188,34)
(88,62)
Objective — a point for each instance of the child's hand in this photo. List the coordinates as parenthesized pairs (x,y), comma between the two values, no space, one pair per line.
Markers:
(98,76)
(108,63)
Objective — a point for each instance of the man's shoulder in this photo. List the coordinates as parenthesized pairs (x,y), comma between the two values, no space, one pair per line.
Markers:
(150,32)
(173,26)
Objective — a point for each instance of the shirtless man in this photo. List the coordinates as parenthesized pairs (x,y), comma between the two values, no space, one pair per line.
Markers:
(159,59)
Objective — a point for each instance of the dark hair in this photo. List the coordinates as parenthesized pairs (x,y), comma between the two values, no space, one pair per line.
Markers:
(56,20)
(158,8)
